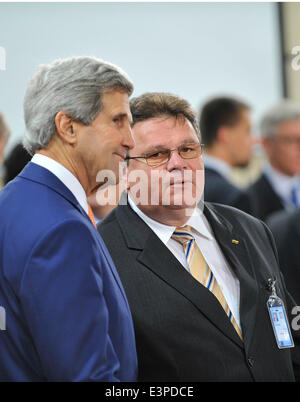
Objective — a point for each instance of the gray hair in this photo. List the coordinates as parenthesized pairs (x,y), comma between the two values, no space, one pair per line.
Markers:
(74,85)
(4,129)
(284,111)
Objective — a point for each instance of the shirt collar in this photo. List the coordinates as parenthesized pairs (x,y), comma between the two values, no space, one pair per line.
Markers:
(217,164)
(65,176)
(281,183)
(197,221)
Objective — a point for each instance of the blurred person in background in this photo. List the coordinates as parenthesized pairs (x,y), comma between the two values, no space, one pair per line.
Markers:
(225,127)
(14,162)
(278,187)
(285,226)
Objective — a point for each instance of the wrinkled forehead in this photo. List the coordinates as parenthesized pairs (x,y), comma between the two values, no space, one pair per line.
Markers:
(162,132)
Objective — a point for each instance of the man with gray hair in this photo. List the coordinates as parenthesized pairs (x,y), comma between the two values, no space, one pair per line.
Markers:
(278,187)
(67,317)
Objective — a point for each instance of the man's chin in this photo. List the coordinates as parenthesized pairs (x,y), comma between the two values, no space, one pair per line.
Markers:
(176,207)
(180,196)
(243,164)
(180,202)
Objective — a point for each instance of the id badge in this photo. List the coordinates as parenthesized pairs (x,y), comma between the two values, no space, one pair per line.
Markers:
(279,320)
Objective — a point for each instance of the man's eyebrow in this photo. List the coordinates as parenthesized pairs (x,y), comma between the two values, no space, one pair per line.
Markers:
(187,142)
(123,116)
(165,148)
(156,148)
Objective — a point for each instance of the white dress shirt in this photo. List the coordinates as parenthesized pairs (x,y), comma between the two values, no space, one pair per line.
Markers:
(218,165)
(65,176)
(283,184)
(209,247)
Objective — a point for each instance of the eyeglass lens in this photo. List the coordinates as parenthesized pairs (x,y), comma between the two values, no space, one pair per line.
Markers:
(189,151)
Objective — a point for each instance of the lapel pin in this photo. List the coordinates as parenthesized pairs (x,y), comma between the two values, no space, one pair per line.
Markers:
(235,241)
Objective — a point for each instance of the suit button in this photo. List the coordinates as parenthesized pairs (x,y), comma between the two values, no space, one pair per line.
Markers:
(251,361)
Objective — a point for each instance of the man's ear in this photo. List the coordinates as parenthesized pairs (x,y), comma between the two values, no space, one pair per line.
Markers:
(64,127)
(223,135)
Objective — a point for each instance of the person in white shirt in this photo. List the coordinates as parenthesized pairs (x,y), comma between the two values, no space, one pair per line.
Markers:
(197,275)
(278,188)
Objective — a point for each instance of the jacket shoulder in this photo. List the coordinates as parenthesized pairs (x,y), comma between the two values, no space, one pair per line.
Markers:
(231,213)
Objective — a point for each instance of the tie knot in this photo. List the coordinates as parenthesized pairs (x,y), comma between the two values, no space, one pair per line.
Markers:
(183,234)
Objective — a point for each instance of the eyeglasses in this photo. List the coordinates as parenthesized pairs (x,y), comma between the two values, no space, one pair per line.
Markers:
(157,158)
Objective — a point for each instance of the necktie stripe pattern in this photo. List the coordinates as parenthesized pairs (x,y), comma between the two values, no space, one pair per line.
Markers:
(200,270)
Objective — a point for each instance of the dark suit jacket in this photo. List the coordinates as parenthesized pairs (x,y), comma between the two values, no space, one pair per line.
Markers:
(263,198)
(182,332)
(67,316)
(219,190)
(286,230)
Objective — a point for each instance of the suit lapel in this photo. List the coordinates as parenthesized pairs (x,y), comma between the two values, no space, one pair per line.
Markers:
(43,176)
(172,272)
(240,261)
(156,257)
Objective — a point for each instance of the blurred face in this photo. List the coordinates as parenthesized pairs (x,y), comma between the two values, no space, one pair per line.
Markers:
(173,184)
(240,141)
(103,144)
(284,149)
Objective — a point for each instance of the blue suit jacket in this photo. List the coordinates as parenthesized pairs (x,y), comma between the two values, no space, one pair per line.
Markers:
(67,316)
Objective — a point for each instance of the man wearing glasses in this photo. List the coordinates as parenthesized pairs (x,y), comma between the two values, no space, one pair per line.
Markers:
(278,188)
(197,275)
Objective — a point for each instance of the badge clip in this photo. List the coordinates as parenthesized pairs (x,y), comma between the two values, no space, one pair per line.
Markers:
(271,287)
(278,318)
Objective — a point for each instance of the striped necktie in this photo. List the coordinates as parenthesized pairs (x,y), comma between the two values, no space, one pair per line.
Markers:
(199,269)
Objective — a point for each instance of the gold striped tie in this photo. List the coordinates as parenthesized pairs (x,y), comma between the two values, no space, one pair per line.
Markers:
(199,269)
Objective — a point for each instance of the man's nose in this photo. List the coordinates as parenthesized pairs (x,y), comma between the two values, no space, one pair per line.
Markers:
(128,140)
(175,162)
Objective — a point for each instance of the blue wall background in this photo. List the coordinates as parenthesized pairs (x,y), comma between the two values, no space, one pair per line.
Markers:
(196,50)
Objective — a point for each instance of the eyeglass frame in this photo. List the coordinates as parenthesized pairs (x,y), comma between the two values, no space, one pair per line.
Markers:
(169,154)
